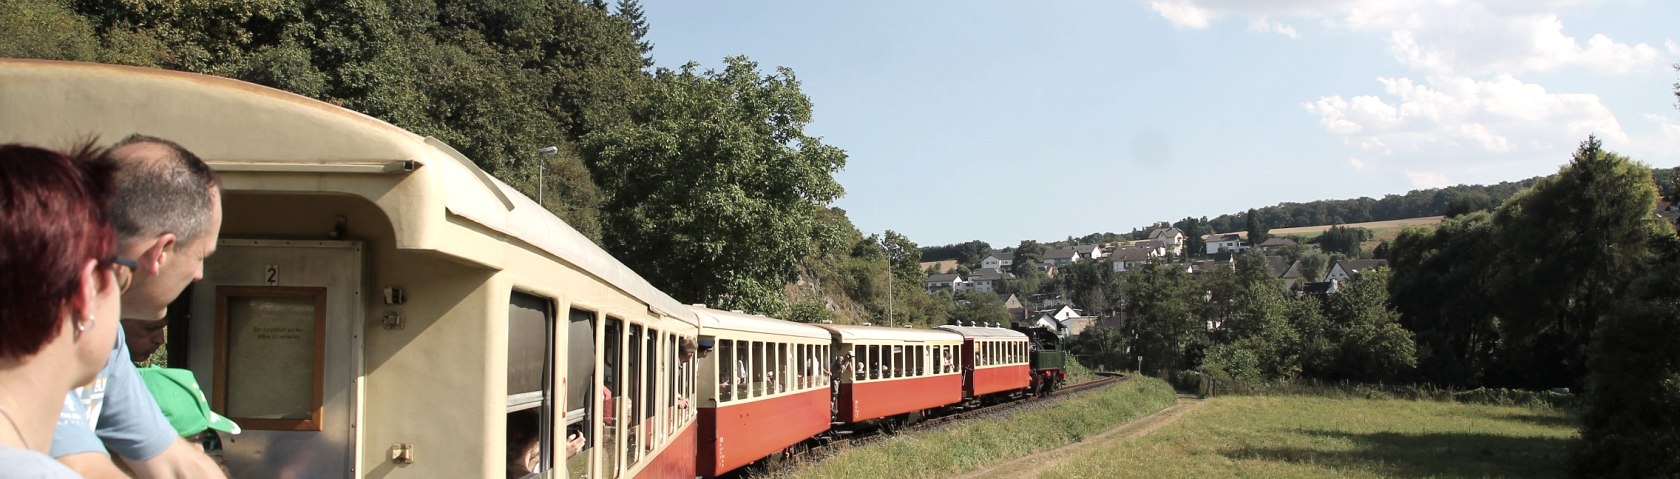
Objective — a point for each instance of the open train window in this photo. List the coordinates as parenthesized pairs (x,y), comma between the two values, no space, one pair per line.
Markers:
(635,385)
(726,370)
(650,390)
(612,381)
(530,367)
(580,380)
(757,368)
(782,378)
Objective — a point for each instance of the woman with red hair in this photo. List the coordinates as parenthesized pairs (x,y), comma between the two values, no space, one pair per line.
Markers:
(60,281)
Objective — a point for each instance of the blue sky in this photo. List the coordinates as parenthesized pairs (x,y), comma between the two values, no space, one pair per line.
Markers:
(1004,121)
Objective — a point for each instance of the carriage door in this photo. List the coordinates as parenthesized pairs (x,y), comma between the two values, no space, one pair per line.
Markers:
(276,344)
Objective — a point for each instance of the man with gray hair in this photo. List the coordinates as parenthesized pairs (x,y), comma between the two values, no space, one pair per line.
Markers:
(167,213)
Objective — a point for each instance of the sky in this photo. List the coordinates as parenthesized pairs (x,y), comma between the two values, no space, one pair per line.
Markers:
(1005,121)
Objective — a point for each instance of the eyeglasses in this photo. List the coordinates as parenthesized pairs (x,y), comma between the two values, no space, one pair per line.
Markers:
(124,274)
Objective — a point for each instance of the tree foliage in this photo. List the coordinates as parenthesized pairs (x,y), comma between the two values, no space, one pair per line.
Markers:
(1256,227)
(713,195)
(1370,344)
(1440,286)
(1343,239)
(1567,246)
(1162,316)
(1631,427)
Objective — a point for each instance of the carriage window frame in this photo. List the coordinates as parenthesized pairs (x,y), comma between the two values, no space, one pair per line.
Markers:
(219,394)
(725,369)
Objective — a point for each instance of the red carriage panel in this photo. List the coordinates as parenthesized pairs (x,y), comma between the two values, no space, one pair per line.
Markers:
(736,434)
(869,400)
(1001,378)
(676,460)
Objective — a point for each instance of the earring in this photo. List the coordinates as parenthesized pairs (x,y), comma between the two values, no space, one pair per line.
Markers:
(83,327)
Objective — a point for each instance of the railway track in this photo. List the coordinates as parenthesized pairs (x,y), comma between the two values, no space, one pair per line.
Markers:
(817,449)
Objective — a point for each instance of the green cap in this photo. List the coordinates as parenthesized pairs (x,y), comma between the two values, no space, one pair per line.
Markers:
(177,394)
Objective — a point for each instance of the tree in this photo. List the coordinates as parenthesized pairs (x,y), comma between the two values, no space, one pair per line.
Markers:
(1568,245)
(1343,239)
(1314,265)
(1027,256)
(980,308)
(1631,427)
(713,198)
(631,11)
(1254,339)
(1371,345)
(1440,287)
(1257,231)
(1194,230)
(1162,316)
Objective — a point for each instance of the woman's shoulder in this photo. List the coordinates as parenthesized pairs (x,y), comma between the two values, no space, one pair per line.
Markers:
(24,463)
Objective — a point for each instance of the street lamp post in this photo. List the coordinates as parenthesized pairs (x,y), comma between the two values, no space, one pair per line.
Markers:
(542,185)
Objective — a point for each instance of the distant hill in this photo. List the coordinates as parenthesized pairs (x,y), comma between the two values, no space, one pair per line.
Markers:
(1449,201)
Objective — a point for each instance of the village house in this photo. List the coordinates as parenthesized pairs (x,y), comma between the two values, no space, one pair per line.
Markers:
(1156,248)
(1344,269)
(1125,259)
(946,282)
(998,261)
(1089,251)
(986,280)
(1227,241)
(1172,239)
(1281,268)
(1276,243)
(1060,257)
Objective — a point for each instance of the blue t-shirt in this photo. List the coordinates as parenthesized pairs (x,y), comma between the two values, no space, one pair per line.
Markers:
(116,412)
(27,464)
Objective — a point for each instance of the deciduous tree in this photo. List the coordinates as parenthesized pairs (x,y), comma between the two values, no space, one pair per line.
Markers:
(713,197)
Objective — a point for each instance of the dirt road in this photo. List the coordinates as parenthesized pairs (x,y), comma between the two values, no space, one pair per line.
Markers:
(1034,465)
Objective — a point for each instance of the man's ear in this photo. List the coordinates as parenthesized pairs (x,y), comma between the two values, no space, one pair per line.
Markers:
(151,261)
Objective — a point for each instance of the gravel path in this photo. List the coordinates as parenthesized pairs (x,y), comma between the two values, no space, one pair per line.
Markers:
(1034,465)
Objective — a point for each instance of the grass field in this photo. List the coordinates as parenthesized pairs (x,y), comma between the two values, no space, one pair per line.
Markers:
(973,444)
(1374,226)
(1295,436)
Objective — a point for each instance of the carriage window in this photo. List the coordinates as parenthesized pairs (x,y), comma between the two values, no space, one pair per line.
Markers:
(530,442)
(878,355)
(633,399)
(612,356)
(580,366)
(858,362)
(650,393)
(743,368)
(673,382)
(779,379)
(726,370)
(801,379)
(757,368)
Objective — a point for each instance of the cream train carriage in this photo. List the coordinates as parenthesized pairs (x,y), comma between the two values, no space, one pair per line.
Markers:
(378,306)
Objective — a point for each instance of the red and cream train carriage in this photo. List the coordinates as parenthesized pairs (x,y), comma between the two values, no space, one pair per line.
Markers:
(894,371)
(764,387)
(995,359)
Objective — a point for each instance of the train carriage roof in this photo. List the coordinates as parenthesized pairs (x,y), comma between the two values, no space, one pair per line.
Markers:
(712,320)
(849,333)
(262,139)
(977,332)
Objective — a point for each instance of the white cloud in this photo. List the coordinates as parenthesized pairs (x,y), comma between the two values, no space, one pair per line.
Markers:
(1502,115)
(1664,143)
(1356,163)
(1456,37)
(1182,13)
(1264,25)
(1673,48)
(1427,179)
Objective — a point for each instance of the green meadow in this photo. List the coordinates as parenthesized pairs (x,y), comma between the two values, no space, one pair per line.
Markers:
(1300,436)
(970,445)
